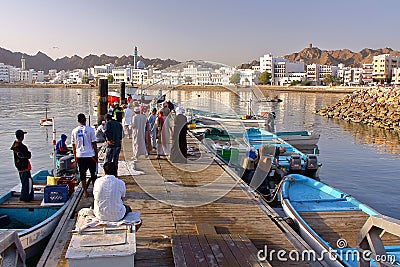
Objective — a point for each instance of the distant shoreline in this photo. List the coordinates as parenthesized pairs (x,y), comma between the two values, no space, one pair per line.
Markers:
(310,89)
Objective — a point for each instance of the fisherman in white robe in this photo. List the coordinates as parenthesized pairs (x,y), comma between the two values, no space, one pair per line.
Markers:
(138,134)
(127,121)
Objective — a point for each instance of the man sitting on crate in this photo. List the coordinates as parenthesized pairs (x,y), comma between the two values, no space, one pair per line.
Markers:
(108,192)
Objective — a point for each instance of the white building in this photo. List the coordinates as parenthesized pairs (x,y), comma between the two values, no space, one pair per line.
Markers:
(52,73)
(383,65)
(15,75)
(317,72)
(121,75)
(367,70)
(284,69)
(38,76)
(76,76)
(26,76)
(396,76)
(140,76)
(190,74)
(101,71)
(248,77)
(266,64)
(204,76)
(280,69)
(4,73)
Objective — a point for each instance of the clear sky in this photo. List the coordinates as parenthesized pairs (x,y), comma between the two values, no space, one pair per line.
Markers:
(225,31)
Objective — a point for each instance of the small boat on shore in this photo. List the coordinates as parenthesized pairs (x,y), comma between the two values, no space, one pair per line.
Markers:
(299,138)
(329,220)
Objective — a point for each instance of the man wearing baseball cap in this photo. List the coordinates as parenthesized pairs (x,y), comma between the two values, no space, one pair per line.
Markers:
(23,165)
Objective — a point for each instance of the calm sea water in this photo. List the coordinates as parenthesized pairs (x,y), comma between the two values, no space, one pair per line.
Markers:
(359,160)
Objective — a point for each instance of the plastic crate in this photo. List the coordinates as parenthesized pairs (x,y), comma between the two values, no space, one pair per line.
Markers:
(70,181)
(55,193)
(226,153)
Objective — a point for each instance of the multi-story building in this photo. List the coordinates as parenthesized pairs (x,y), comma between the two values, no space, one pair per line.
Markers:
(52,73)
(382,69)
(284,70)
(140,76)
(101,71)
(396,76)
(279,68)
(266,63)
(15,75)
(204,76)
(121,75)
(367,70)
(76,76)
(190,74)
(26,76)
(4,73)
(38,76)
(316,72)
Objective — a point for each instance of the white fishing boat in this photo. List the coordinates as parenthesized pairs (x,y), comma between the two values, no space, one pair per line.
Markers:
(299,138)
(46,121)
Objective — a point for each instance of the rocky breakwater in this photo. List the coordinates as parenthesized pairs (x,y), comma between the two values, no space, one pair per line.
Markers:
(377,107)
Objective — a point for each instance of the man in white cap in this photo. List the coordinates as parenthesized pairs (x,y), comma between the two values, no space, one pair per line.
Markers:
(138,134)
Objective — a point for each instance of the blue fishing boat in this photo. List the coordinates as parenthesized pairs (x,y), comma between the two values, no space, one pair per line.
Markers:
(286,157)
(34,221)
(330,220)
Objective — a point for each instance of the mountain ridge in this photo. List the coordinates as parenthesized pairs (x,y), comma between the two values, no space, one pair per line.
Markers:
(349,58)
(41,61)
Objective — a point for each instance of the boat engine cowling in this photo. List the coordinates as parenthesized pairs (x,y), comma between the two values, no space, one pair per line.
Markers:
(311,162)
(295,162)
(66,165)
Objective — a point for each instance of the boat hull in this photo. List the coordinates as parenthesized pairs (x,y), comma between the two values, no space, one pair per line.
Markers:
(298,140)
(33,239)
(328,219)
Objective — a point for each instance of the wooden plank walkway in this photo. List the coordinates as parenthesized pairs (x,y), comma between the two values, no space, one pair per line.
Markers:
(180,199)
(174,198)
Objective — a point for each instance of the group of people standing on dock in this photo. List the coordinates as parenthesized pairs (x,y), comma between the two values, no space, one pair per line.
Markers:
(163,130)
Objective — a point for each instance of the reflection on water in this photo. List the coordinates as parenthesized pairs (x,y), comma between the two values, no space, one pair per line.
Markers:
(359,160)
(386,142)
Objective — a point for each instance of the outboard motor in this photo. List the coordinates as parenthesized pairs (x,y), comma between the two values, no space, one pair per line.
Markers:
(311,162)
(295,162)
(66,165)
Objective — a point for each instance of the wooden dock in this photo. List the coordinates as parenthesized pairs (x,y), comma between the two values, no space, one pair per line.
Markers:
(200,200)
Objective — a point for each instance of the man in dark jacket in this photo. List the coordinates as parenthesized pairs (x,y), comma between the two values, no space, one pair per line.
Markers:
(21,160)
(113,131)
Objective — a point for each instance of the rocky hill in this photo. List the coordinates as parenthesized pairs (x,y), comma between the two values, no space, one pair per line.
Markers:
(333,57)
(41,61)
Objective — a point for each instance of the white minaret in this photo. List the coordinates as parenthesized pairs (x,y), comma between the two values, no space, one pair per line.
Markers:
(23,63)
(135,58)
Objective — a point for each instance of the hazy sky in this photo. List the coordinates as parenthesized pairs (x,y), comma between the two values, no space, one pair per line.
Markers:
(225,31)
